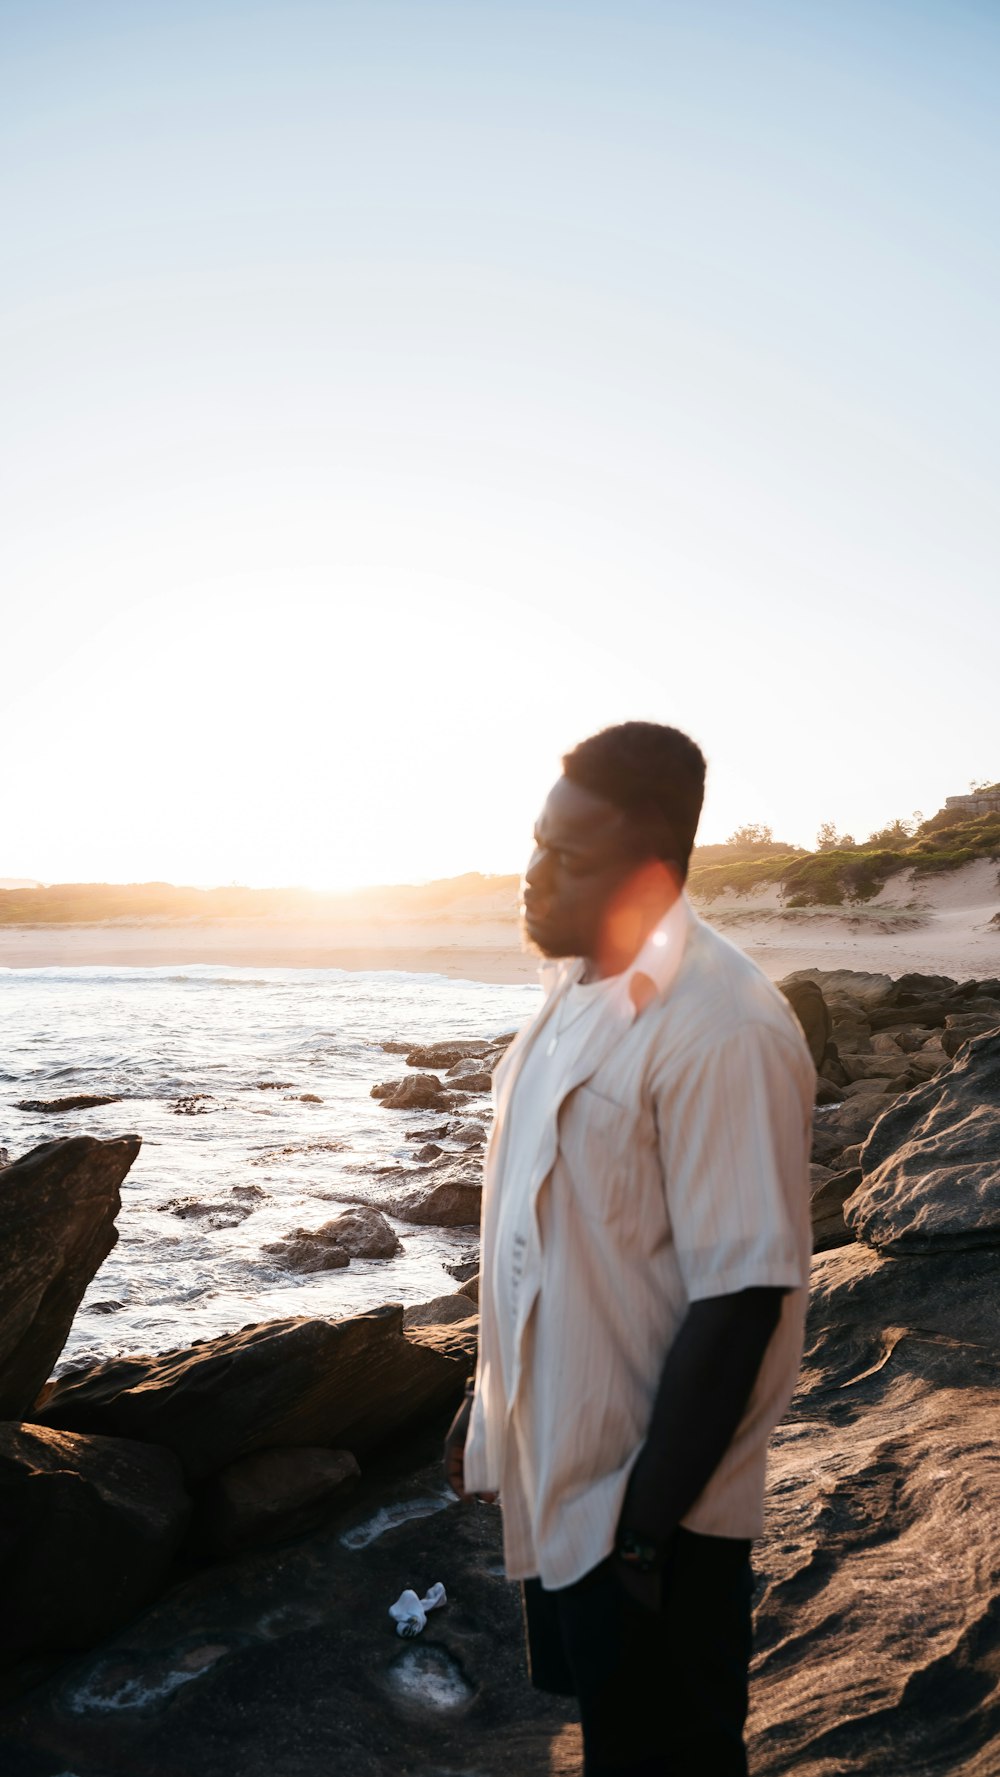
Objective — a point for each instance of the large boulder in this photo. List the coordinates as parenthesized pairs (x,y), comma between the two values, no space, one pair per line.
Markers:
(811,1010)
(58,1205)
(88,1527)
(931,1165)
(272,1494)
(360,1233)
(350,1383)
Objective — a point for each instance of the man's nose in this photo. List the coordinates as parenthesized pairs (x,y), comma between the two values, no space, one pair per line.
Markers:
(538,863)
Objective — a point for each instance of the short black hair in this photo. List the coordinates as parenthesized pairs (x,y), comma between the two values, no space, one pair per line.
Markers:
(654,773)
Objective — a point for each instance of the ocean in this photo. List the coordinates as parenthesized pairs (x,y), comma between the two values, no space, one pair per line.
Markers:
(210,1065)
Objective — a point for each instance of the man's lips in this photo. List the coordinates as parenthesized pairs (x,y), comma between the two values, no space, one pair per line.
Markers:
(535,910)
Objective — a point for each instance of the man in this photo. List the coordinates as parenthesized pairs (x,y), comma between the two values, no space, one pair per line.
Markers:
(645,1260)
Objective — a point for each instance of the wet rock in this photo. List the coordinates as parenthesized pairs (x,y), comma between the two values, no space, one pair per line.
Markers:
(194,1104)
(466,1267)
(472,1082)
(275,1085)
(429,1151)
(417,1092)
(90,1526)
(471,1289)
(309,1098)
(78,1101)
(271,1495)
(428,1134)
(360,1233)
(445,1198)
(348,1383)
(57,1212)
(446,1055)
(931,1165)
(470,1135)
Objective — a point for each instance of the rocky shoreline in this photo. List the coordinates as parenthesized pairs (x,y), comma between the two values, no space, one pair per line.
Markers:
(200,1546)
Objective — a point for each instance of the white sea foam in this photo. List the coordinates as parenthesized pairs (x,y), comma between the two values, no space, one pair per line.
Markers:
(159,1037)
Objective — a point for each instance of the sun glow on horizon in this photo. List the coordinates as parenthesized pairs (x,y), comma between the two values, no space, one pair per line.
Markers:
(385,413)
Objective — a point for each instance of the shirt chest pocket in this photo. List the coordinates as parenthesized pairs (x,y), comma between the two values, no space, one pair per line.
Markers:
(609,1156)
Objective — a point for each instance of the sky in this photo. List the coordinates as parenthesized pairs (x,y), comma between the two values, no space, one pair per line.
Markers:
(392,394)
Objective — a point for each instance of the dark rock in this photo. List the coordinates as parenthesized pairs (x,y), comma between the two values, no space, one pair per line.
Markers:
(463,1269)
(89,1526)
(360,1233)
(827,1092)
(811,1010)
(195,1104)
(470,1288)
(470,1135)
(428,1134)
(429,1151)
(271,1495)
(79,1101)
(394,1047)
(454,1201)
(226,1213)
(843,1124)
(930,1014)
(275,1085)
(877,1627)
(858,987)
(348,1383)
(931,1164)
(283,1662)
(962,1026)
(417,1092)
(472,1082)
(57,1211)
(911,989)
(826,1208)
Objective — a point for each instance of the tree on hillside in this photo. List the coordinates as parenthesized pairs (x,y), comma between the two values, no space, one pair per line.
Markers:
(895,833)
(754,833)
(828,839)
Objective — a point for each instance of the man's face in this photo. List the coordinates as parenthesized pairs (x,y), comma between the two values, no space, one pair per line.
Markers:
(585,851)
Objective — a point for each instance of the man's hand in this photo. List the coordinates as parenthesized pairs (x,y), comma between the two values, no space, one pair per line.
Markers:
(644,1589)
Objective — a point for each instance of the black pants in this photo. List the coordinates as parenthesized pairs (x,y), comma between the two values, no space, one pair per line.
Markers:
(661,1694)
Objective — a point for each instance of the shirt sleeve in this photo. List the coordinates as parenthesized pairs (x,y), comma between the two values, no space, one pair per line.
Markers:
(733,1124)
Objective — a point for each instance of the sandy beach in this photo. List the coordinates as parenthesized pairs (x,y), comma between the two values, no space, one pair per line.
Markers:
(941,924)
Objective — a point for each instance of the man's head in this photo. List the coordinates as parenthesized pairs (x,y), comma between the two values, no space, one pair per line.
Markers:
(613,840)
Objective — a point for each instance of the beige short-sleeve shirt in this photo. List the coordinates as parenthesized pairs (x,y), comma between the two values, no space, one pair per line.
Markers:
(674,1167)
